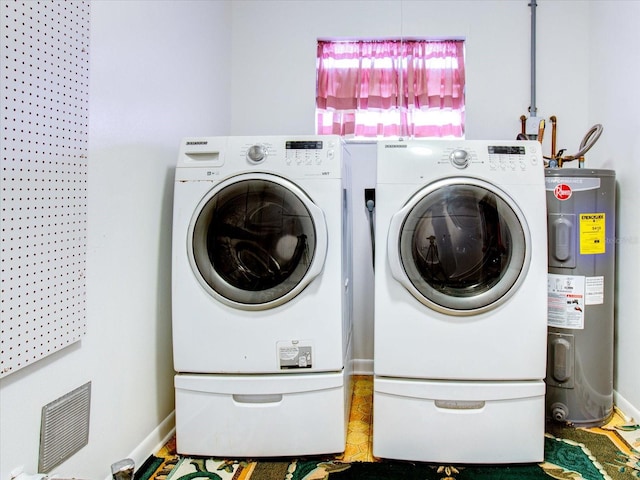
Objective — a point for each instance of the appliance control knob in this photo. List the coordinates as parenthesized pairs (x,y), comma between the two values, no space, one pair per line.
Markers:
(459,158)
(257,153)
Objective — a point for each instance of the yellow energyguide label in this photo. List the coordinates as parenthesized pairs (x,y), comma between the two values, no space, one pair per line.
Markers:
(592,233)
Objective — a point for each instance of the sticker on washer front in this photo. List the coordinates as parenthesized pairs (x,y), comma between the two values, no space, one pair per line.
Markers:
(592,233)
(295,354)
(565,300)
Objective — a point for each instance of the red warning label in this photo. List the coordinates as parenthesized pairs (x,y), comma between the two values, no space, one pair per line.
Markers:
(562,191)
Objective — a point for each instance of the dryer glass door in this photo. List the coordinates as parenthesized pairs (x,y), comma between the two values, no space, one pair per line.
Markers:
(462,246)
(256,241)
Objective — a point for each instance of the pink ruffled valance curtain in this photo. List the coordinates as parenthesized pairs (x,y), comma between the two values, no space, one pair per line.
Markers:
(391,88)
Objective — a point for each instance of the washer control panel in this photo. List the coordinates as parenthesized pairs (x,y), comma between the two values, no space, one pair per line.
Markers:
(296,152)
(308,152)
(297,156)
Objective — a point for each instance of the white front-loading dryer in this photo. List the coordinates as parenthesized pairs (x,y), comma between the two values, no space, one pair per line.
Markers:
(460,300)
(261,294)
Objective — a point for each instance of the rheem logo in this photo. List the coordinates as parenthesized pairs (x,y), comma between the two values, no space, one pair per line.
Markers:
(562,191)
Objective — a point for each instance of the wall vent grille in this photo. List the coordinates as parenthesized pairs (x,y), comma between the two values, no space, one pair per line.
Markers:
(65,427)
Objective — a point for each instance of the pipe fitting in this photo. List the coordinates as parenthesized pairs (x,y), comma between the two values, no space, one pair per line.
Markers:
(559,412)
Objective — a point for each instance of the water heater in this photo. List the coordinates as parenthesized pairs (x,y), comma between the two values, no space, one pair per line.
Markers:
(581,235)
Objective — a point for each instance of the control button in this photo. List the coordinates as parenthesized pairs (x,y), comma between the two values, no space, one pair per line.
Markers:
(459,158)
(257,153)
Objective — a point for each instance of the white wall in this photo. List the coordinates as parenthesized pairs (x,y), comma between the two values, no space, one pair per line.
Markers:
(157,73)
(614,101)
(363,167)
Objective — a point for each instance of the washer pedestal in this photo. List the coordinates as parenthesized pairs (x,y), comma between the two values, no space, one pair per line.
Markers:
(262,415)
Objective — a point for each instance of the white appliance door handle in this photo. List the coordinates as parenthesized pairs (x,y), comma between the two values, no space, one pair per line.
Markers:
(393,245)
(320,223)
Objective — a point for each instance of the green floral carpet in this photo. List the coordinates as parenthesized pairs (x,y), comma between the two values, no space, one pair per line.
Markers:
(610,452)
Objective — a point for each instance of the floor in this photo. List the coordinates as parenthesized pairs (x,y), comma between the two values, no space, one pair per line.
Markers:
(360,430)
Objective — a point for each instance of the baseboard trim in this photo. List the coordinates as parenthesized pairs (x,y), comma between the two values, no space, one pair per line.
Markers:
(626,408)
(154,441)
(362,366)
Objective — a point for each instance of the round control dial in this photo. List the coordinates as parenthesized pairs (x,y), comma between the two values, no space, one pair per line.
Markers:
(459,158)
(257,153)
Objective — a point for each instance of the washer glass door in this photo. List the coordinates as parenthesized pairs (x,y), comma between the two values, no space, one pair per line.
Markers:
(256,241)
(460,246)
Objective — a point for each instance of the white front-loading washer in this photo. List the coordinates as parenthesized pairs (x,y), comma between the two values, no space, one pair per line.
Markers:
(460,301)
(261,295)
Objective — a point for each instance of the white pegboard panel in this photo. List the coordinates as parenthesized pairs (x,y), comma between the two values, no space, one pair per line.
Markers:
(43,177)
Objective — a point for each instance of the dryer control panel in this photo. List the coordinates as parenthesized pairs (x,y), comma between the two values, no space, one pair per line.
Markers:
(497,157)
(513,157)
(417,160)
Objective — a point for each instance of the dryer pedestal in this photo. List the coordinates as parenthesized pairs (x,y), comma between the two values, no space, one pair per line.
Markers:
(458,422)
(262,415)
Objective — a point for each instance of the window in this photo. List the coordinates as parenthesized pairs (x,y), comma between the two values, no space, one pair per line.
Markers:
(407,88)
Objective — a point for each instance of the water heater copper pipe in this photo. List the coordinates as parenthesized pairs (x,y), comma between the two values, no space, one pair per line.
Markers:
(553,135)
